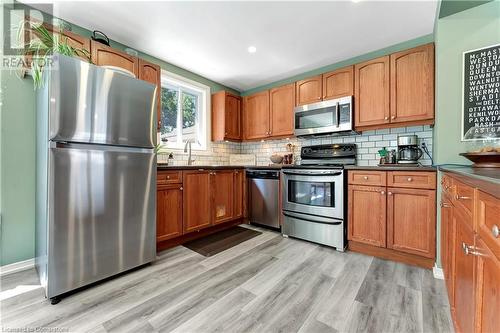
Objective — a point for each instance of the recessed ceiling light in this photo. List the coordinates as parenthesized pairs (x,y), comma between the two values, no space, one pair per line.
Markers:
(252,49)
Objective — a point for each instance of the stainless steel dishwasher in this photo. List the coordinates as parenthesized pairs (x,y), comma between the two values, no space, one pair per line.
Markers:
(263,197)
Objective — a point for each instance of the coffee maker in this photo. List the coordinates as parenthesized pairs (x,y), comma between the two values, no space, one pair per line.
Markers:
(408,150)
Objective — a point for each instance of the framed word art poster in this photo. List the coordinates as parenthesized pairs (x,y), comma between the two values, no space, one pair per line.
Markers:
(481,94)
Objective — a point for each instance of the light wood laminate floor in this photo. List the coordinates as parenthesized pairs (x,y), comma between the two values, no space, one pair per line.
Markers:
(266,284)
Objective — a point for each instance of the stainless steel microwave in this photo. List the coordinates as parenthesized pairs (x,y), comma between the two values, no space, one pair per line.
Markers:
(332,116)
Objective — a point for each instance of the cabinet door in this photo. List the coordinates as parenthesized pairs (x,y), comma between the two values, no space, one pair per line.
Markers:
(411,221)
(196,200)
(371,93)
(152,73)
(339,83)
(239,197)
(103,55)
(223,195)
(232,117)
(256,116)
(464,273)
(282,101)
(168,212)
(487,220)
(488,289)
(447,244)
(412,84)
(367,214)
(308,90)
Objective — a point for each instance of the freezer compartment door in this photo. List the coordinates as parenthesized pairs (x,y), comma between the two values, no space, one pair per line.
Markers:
(102,213)
(92,104)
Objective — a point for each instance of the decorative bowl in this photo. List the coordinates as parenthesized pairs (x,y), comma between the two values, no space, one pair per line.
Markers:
(484,159)
(276,158)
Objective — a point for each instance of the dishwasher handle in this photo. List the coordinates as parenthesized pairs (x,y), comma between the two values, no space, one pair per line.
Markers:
(263,174)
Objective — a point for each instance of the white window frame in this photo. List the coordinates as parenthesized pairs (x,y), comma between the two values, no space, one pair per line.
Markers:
(169,78)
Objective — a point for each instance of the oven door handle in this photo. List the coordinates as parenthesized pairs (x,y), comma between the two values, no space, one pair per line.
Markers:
(301,217)
(312,173)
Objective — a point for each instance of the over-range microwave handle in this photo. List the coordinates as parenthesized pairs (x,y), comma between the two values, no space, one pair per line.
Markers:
(313,173)
(337,108)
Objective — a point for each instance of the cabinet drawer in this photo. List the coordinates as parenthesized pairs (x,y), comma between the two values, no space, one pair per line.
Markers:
(463,196)
(365,177)
(487,220)
(169,177)
(447,186)
(416,179)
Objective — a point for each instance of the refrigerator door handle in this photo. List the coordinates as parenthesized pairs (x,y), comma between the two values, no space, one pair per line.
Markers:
(93,146)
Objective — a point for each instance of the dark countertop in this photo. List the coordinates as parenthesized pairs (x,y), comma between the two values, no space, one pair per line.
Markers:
(491,175)
(391,168)
(160,166)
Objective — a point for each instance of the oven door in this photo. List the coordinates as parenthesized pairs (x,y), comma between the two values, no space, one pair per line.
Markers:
(314,192)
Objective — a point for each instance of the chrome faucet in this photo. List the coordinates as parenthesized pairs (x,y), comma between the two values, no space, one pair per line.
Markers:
(187,149)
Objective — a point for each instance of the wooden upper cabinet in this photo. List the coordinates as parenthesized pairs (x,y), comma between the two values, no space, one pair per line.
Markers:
(152,73)
(367,215)
(308,90)
(487,288)
(339,83)
(282,103)
(223,195)
(256,122)
(463,279)
(239,193)
(226,116)
(411,216)
(371,93)
(412,84)
(196,200)
(103,55)
(168,212)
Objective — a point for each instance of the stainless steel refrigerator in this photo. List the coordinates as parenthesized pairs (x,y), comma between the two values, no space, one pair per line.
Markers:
(96,175)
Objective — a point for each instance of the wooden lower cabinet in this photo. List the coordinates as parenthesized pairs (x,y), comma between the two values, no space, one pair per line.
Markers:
(367,215)
(487,289)
(239,193)
(411,217)
(168,212)
(463,280)
(197,203)
(223,195)
(447,244)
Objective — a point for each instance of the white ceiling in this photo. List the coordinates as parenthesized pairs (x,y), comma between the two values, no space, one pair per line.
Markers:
(211,38)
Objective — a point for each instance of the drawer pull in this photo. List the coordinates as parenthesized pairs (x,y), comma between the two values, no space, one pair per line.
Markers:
(365,177)
(168,177)
(390,193)
(469,250)
(383,192)
(410,179)
(495,231)
(459,197)
(181,188)
(445,205)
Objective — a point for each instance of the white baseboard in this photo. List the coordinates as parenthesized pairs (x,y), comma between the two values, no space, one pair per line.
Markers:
(437,272)
(17,266)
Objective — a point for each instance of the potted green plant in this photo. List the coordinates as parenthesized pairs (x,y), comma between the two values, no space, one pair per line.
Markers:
(44,45)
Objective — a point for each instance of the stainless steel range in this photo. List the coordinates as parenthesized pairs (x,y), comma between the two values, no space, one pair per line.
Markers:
(314,195)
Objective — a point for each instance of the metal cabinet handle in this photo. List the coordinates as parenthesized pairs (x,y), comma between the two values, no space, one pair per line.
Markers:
(382,192)
(365,177)
(393,117)
(386,118)
(181,188)
(495,231)
(410,179)
(390,193)
(168,177)
(469,250)
(445,205)
(458,197)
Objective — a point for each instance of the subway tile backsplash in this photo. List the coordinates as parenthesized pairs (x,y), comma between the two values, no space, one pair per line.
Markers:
(368,144)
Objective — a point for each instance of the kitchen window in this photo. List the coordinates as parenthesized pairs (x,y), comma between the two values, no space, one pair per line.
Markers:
(184,113)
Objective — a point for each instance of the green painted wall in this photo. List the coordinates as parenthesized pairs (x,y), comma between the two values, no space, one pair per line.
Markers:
(17,167)
(470,29)
(450,7)
(371,55)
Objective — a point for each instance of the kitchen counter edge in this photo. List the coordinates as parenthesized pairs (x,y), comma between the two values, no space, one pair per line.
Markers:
(391,168)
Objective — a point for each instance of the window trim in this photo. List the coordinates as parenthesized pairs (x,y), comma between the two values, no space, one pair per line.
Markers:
(205,105)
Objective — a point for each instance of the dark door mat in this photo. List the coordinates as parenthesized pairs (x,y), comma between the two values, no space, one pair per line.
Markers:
(221,241)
